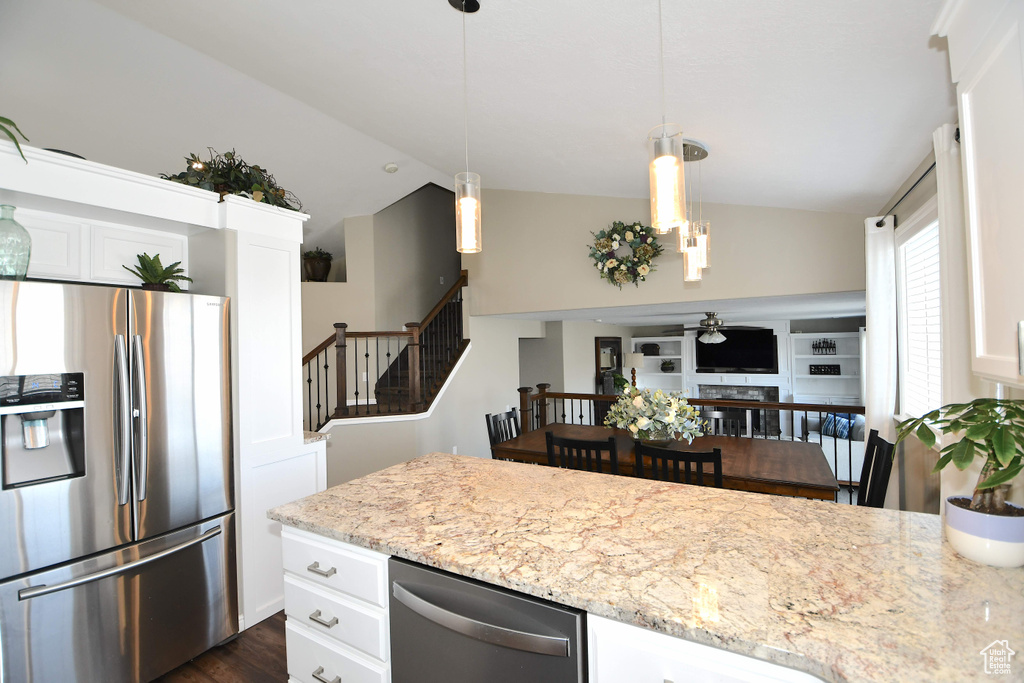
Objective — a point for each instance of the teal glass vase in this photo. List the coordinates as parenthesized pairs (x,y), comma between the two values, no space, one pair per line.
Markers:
(15,246)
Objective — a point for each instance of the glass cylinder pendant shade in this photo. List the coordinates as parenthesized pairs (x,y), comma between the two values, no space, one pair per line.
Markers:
(668,192)
(691,261)
(467,213)
(702,232)
(15,246)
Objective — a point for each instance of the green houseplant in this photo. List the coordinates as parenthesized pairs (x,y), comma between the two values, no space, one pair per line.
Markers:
(229,173)
(155,276)
(984,527)
(668,366)
(6,125)
(317,264)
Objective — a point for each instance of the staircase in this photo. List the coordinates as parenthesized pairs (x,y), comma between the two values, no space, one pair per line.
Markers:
(385,373)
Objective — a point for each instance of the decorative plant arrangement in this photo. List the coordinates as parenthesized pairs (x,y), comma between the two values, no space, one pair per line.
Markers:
(658,415)
(228,173)
(611,260)
(668,366)
(155,276)
(984,527)
(6,125)
(317,264)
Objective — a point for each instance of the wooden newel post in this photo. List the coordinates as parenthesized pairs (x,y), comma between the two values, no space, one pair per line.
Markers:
(542,403)
(415,372)
(341,407)
(524,408)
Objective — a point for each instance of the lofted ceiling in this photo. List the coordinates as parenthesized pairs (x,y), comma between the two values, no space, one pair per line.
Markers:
(812,104)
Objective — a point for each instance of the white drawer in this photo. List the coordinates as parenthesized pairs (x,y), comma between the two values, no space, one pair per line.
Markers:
(342,567)
(364,628)
(313,659)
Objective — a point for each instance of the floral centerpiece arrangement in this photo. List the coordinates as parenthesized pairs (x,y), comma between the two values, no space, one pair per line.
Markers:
(610,257)
(653,416)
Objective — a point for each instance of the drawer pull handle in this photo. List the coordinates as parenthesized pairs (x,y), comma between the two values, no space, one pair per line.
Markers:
(315,616)
(315,568)
(319,675)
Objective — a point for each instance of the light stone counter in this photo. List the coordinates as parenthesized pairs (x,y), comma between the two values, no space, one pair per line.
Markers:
(845,593)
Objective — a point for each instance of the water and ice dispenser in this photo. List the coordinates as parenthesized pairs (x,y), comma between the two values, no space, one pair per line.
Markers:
(42,431)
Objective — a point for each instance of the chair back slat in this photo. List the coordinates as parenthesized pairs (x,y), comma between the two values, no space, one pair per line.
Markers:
(580,454)
(502,426)
(874,474)
(721,423)
(679,466)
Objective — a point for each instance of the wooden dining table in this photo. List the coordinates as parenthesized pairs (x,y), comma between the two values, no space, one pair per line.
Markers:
(787,468)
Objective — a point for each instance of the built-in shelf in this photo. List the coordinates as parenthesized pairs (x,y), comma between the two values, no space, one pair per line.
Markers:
(826,376)
(827,388)
(825,356)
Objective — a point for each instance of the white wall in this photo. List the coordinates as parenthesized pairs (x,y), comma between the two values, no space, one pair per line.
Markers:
(79,77)
(535,255)
(578,361)
(415,256)
(541,360)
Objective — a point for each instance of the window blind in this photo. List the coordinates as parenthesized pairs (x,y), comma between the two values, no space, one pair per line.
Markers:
(921,364)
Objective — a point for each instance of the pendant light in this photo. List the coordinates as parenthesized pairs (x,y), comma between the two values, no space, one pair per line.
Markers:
(692,240)
(702,229)
(467,185)
(665,149)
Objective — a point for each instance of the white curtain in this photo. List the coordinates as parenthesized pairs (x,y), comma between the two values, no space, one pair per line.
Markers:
(880,338)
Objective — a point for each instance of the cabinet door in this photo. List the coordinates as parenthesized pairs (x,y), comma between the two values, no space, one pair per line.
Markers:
(991,99)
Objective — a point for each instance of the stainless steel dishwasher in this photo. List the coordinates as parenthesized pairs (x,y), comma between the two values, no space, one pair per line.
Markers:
(449,629)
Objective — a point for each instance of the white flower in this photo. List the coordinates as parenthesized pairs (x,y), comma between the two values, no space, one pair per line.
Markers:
(638,402)
(633,428)
(622,267)
(644,269)
(611,263)
(615,237)
(642,423)
(629,236)
(649,239)
(615,244)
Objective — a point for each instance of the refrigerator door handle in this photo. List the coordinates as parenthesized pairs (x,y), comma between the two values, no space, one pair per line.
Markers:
(481,630)
(122,419)
(142,414)
(38,591)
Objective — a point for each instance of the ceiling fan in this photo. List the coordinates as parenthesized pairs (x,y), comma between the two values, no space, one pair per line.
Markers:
(710,329)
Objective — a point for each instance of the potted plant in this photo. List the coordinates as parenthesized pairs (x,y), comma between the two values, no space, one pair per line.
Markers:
(228,173)
(984,527)
(654,416)
(317,264)
(155,277)
(668,366)
(6,125)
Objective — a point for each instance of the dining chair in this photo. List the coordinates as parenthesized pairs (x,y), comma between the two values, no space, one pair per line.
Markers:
(682,467)
(580,454)
(874,474)
(502,427)
(721,423)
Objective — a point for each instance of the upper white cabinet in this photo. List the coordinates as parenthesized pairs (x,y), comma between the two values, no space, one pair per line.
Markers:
(987,63)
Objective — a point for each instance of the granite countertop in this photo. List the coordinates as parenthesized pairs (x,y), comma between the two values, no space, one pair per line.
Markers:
(313,437)
(845,593)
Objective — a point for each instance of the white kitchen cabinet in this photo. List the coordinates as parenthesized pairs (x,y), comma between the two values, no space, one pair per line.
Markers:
(987,64)
(619,652)
(336,608)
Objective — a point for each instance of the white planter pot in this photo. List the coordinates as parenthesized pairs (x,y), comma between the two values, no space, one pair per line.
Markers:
(995,540)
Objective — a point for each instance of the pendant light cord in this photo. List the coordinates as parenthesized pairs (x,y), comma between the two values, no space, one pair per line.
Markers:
(465,84)
(700,192)
(661,60)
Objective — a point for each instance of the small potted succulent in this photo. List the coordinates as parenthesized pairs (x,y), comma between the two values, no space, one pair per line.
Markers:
(229,173)
(985,527)
(155,276)
(668,366)
(317,264)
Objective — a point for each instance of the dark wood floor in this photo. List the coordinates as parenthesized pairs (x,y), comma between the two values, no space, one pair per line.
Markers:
(257,655)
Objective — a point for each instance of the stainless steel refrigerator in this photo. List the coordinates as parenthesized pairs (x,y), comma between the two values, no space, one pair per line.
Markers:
(117,558)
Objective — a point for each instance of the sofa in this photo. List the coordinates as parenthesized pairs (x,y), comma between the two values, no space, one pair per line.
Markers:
(842,438)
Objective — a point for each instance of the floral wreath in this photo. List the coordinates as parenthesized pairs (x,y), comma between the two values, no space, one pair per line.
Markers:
(621,269)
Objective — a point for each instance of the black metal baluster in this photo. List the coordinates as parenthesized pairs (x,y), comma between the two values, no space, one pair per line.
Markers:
(318,400)
(355,372)
(366,372)
(327,388)
(309,393)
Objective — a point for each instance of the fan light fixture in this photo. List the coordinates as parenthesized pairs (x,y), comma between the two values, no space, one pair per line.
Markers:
(711,335)
(467,185)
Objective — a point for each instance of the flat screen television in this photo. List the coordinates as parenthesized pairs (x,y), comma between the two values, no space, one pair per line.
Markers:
(743,351)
